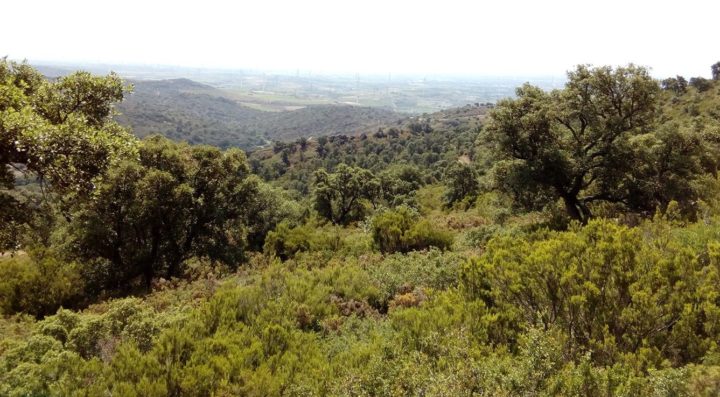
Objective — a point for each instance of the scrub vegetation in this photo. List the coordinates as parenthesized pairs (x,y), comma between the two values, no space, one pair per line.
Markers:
(555,243)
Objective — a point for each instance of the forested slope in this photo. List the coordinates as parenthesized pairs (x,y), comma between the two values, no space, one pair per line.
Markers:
(429,142)
(184,110)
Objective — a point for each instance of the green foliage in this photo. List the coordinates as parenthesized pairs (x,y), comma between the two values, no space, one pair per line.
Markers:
(676,84)
(593,142)
(184,110)
(147,217)
(270,206)
(612,291)
(399,274)
(700,83)
(602,308)
(38,284)
(14,216)
(341,196)
(402,230)
(399,184)
(60,132)
(64,353)
(285,241)
(393,148)
(462,185)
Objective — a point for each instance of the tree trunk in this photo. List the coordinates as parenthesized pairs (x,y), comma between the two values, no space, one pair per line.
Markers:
(149,268)
(586,214)
(576,209)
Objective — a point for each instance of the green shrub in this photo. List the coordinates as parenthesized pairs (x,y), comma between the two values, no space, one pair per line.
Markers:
(38,285)
(614,292)
(286,241)
(400,273)
(401,230)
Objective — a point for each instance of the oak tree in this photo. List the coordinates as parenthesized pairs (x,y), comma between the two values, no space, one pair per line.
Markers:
(575,144)
(60,133)
(178,201)
(340,196)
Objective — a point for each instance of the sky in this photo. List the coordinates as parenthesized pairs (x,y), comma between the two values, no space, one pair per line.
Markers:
(492,38)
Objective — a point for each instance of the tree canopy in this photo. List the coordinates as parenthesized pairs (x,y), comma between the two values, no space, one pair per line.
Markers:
(597,140)
(341,195)
(148,216)
(462,183)
(60,132)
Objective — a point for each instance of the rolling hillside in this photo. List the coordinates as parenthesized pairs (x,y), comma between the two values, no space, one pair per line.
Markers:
(182,109)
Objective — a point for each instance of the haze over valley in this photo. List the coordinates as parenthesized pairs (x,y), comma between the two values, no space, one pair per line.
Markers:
(249,109)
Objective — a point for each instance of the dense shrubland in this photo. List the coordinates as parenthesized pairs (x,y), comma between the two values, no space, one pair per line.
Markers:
(464,269)
(605,309)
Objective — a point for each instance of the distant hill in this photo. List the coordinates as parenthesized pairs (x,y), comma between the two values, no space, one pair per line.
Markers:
(320,120)
(183,109)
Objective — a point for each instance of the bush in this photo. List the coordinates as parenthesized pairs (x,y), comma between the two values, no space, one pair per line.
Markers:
(401,230)
(397,273)
(614,289)
(286,241)
(38,285)
(700,83)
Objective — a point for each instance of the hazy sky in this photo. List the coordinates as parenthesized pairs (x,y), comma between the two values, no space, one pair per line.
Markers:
(500,37)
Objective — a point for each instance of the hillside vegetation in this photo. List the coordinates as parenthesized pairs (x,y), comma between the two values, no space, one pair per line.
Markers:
(184,110)
(429,142)
(561,243)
